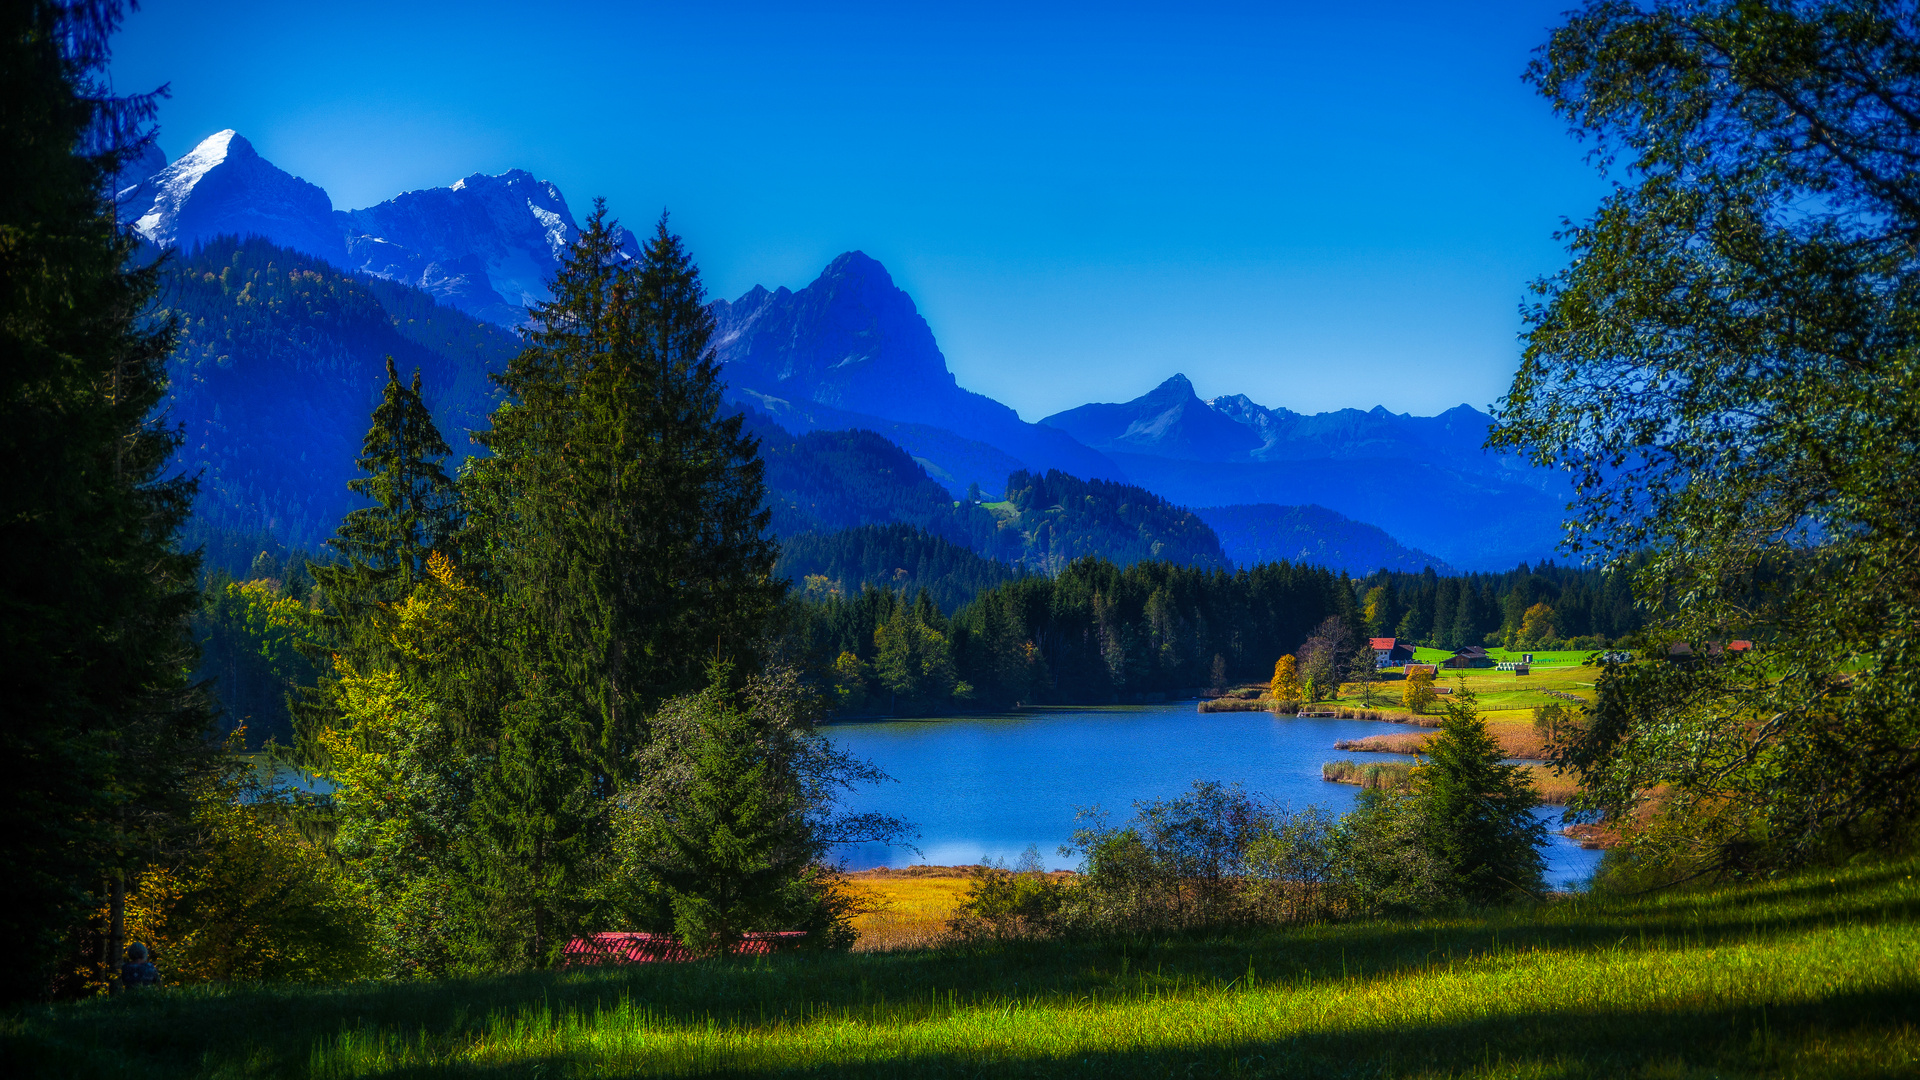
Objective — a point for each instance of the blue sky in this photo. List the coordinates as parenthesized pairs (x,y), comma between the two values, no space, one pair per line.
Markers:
(1316,206)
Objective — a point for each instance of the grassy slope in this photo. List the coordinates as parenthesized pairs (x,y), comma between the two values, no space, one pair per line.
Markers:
(1813,976)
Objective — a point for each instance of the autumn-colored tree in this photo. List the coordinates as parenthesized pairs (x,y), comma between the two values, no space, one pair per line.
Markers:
(1286,680)
(1419,694)
(1536,626)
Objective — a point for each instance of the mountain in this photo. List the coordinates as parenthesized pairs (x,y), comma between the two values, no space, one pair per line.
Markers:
(1264,533)
(1424,479)
(486,244)
(850,351)
(280,363)
(224,188)
(827,481)
(1169,421)
(853,341)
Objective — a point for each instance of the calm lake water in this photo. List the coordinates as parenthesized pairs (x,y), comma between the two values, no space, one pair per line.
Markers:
(990,786)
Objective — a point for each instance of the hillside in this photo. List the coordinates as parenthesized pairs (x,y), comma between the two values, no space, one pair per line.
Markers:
(898,557)
(1264,532)
(280,363)
(1062,518)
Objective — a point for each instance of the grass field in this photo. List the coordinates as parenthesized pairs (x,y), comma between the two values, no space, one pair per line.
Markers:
(1814,976)
(909,908)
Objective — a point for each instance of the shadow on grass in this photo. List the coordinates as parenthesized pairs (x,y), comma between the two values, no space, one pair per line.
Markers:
(274,1031)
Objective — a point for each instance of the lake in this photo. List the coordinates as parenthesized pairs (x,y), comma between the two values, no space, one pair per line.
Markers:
(991,785)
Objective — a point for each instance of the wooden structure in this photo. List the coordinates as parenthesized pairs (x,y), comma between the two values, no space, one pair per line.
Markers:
(641,948)
(1473,656)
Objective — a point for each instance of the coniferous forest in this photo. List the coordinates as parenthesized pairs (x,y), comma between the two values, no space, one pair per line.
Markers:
(378,761)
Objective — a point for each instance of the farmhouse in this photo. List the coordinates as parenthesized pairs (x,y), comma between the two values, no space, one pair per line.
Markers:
(1473,656)
(1390,652)
(1680,650)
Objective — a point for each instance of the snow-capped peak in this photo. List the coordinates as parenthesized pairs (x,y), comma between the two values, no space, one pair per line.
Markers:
(223,186)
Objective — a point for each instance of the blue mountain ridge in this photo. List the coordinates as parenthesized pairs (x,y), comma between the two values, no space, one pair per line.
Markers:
(851,351)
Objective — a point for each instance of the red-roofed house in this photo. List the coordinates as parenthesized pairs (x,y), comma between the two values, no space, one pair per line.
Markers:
(1390,652)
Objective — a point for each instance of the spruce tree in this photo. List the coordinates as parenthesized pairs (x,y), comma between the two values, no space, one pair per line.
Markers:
(619,521)
(384,547)
(100,730)
(1479,812)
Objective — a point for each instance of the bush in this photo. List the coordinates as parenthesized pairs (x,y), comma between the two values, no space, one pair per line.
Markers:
(1001,904)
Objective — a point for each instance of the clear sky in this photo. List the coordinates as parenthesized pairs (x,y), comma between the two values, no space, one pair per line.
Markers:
(1314,205)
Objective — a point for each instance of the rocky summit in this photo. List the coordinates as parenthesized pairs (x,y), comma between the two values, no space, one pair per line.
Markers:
(486,244)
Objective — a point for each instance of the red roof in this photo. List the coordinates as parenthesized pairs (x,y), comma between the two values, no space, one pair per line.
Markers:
(1383,644)
(634,948)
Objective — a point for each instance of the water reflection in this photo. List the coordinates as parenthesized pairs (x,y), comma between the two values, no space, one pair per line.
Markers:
(990,786)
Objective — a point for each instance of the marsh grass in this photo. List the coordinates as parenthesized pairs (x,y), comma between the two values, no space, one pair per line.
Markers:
(1818,975)
(1387,775)
(909,908)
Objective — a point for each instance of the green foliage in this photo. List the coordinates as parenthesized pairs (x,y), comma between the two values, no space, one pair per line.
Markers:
(101,731)
(1000,903)
(897,557)
(250,899)
(1479,812)
(732,852)
(1063,518)
(250,635)
(912,658)
(1754,282)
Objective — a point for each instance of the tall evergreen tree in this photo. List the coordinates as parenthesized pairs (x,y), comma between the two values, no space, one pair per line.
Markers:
(1479,812)
(384,547)
(100,726)
(619,523)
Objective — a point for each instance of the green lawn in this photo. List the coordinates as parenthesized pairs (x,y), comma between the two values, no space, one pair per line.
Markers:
(1818,975)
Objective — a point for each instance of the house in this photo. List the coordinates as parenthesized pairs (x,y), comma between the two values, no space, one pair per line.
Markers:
(1680,650)
(1390,652)
(1421,669)
(1473,656)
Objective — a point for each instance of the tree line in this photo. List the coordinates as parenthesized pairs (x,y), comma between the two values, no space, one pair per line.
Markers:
(1097,633)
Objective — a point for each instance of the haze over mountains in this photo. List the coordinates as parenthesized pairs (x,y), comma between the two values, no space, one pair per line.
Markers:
(848,351)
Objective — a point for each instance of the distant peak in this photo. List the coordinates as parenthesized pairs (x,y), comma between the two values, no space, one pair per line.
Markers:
(858,264)
(216,148)
(1178,388)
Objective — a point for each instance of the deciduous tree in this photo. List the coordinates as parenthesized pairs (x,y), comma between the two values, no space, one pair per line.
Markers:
(1728,370)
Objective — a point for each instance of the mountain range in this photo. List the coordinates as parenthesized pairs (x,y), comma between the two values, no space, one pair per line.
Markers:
(847,353)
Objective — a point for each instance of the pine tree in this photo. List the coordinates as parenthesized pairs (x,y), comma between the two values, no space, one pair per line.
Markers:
(621,513)
(619,522)
(101,731)
(1479,812)
(385,546)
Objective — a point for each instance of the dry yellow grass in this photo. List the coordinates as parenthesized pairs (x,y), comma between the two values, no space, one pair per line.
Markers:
(910,907)
(1554,790)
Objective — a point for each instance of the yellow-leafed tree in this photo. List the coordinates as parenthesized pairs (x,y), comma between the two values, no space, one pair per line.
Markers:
(1419,693)
(1286,680)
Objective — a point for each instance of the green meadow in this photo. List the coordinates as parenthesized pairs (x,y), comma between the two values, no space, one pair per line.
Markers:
(1816,975)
